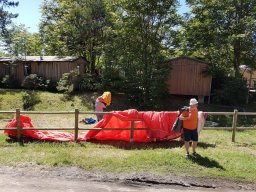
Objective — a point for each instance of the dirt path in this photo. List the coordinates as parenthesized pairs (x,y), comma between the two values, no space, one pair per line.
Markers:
(28,178)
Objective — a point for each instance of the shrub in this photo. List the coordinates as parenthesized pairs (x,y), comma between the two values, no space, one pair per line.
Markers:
(33,81)
(29,99)
(68,82)
(89,82)
(9,81)
(233,92)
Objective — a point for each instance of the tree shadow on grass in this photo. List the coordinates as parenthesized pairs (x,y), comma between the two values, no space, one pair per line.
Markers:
(206,162)
(149,145)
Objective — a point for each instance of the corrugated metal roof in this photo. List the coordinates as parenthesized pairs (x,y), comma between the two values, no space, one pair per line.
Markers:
(39,58)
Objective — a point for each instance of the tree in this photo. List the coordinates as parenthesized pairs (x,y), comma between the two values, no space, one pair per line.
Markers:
(74,28)
(223,32)
(141,31)
(6,17)
(21,42)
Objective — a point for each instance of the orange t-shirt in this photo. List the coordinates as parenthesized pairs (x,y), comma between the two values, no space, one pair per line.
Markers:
(191,123)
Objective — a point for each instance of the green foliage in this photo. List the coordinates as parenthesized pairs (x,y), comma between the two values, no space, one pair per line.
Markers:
(113,81)
(135,47)
(6,19)
(9,81)
(233,91)
(29,100)
(21,42)
(33,81)
(222,32)
(68,82)
(89,82)
(74,28)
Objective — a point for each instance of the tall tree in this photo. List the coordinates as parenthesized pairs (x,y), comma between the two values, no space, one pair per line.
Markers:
(74,28)
(142,30)
(6,18)
(21,42)
(223,32)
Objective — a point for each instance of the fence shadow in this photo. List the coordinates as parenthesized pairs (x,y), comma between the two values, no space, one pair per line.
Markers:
(206,162)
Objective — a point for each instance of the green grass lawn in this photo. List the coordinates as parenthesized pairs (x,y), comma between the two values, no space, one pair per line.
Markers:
(219,156)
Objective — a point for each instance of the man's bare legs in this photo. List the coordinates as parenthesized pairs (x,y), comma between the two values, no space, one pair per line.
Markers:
(187,146)
(194,145)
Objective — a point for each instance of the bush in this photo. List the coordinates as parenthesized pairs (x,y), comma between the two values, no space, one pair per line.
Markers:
(29,99)
(33,81)
(113,82)
(9,81)
(89,82)
(233,92)
(68,82)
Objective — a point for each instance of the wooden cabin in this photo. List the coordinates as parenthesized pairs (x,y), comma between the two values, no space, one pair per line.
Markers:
(50,67)
(187,78)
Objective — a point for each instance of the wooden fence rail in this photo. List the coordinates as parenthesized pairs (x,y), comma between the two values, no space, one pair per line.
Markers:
(76,128)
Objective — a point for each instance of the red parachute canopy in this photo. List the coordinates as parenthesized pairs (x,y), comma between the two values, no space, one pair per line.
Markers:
(25,122)
(159,126)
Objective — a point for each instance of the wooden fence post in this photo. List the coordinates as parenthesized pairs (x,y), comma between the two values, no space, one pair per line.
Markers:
(18,126)
(132,132)
(76,124)
(234,125)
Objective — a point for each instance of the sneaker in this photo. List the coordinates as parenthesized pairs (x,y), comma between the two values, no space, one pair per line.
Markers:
(195,154)
(187,155)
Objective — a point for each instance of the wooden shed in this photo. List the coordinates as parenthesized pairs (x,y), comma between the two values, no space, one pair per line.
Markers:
(50,67)
(187,78)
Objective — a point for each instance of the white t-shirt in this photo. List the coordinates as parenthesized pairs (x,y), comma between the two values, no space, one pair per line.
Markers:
(99,106)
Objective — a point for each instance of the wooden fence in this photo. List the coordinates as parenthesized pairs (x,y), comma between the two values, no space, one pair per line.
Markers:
(76,128)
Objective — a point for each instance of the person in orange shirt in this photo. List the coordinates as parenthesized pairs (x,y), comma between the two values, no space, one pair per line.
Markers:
(190,127)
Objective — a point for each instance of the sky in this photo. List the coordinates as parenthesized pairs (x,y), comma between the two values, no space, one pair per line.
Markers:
(29,13)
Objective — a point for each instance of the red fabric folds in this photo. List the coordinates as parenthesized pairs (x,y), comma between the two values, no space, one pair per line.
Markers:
(25,122)
(158,123)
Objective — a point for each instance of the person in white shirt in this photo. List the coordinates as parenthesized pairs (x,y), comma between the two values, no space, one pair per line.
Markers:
(99,107)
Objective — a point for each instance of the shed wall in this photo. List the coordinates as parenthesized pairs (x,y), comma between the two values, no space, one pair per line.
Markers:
(187,78)
(51,70)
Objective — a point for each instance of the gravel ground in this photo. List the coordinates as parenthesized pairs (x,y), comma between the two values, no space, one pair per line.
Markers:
(31,177)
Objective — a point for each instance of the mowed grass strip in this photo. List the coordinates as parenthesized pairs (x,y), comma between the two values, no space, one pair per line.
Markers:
(219,156)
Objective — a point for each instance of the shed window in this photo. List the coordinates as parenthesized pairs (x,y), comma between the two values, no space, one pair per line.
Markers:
(27,69)
(7,70)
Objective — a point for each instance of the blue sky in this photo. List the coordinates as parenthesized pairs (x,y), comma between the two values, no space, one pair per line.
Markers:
(29,13)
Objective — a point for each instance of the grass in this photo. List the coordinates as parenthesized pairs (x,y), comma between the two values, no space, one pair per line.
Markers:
(12,99)
(219,156)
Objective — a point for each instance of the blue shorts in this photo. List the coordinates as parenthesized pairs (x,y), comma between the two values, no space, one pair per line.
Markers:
(190,135)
